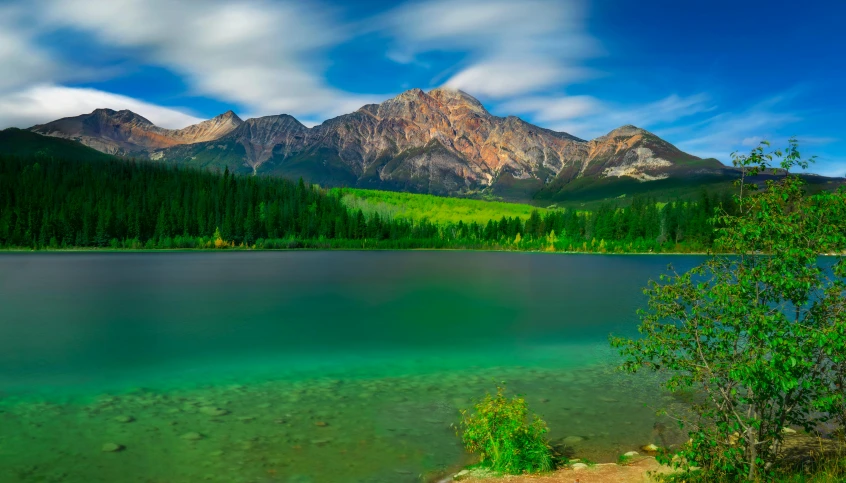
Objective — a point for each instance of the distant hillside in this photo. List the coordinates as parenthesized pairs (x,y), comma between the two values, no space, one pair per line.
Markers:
(18,142)
(127,133)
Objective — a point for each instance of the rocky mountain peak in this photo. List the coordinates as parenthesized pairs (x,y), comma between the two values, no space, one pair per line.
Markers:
(209,130)
(268,128)
(627,130)
(274,119)
(124,116)
(229,115)
(456,99)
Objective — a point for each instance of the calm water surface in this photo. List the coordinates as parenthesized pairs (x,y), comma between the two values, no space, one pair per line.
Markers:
(307,366)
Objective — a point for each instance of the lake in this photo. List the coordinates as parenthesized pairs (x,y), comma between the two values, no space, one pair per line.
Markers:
(308,366)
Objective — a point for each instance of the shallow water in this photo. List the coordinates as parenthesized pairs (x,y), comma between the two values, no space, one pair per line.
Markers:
(380,348)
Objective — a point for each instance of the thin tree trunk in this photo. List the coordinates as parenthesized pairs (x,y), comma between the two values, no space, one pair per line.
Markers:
(752,444)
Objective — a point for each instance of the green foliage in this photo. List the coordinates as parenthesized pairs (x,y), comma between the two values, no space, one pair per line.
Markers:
(20,142)
(89,202)
(760,333)
(49,203)
(500,431)
(437,209)
(56,203)
(830,469)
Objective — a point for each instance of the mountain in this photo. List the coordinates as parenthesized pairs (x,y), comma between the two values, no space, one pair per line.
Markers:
(19,142)
(127,133)
(440,142)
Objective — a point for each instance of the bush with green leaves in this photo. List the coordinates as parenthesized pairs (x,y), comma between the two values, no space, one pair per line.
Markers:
(501,431)
(761,333)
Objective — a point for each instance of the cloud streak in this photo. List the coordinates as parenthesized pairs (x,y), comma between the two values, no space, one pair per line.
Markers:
(266,56)
(512,48)
(588,117)
(23,63)
(44,103)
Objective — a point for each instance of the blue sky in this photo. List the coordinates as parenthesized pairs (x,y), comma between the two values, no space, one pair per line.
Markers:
(711,77)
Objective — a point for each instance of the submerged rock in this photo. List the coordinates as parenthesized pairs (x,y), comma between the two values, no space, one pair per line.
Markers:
(112,447)
(572,440)
(475,473)
(213,411)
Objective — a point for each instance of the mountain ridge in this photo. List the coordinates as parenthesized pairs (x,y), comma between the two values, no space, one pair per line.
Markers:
(441,142)
(127,133)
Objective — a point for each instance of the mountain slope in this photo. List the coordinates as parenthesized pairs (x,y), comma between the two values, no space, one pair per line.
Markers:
(19,142)
(127,133)
(440,142)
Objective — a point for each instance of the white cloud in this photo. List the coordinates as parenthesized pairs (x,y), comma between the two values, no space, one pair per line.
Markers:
(44,103)
(815,140)
(263,55)
(553,109)
(733,131)
(503,78)
(720,135)
(829,166)
(588,117)
(513,47)
(22,62)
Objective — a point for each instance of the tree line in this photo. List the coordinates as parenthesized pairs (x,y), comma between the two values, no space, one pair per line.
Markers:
(50,203)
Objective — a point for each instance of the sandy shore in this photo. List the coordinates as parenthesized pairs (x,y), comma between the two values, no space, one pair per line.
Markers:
(635,472)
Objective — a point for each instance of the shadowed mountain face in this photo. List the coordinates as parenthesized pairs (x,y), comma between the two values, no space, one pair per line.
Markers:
(441,142)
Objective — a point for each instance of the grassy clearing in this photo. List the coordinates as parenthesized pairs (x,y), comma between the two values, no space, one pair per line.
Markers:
(436,209)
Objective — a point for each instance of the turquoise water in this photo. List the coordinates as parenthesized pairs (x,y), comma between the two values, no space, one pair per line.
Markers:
(307,366)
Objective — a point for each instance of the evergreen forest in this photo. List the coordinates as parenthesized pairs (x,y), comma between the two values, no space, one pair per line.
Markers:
(51,203)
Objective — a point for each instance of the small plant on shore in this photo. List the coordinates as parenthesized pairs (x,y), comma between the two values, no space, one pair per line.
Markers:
(500,430)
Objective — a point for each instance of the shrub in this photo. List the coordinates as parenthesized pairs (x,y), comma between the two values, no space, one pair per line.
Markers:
(761,333)
(500,431)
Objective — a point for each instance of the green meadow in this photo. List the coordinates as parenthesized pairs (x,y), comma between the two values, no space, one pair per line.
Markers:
(436,209)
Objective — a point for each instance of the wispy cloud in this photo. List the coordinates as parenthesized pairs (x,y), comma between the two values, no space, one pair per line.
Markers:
(717,136)
(511,47)
(588,117)
(267,56)
(23,62)
(834,166)
(29,93)
(44,103)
